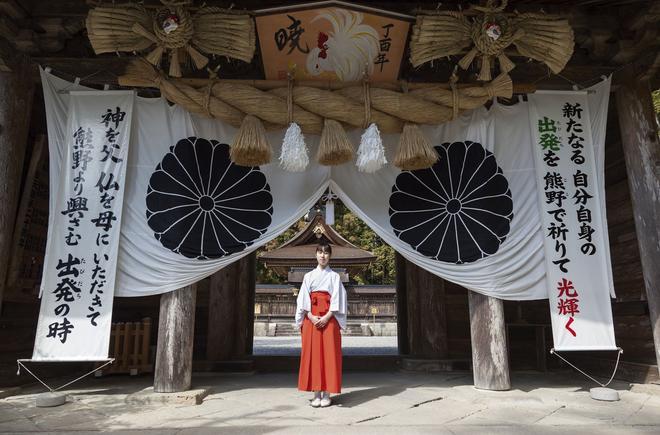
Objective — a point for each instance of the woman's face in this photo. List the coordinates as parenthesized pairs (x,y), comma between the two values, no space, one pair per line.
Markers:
(323,258)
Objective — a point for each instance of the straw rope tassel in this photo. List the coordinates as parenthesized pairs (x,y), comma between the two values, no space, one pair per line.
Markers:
(294,155)
(414,151)
(250,146)
(371,153)
(334,146)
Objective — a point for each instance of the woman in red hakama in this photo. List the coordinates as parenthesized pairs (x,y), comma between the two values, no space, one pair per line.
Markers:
(321,314)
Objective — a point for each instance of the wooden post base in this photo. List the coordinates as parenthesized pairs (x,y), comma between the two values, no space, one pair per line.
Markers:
(176,325)
(490,360)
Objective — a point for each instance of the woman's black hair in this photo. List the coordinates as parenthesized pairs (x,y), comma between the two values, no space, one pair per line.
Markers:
(324,247)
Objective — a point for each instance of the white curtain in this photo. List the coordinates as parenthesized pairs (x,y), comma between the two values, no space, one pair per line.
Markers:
(511,245)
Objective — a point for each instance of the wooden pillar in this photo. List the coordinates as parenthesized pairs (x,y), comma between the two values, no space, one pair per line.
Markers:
(16,92)
(427,319)
(247,279)
(231,311)
(401,305)
(490,360)
(639,137)
(176,327)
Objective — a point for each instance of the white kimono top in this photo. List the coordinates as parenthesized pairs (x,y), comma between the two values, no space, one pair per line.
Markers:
(322,280)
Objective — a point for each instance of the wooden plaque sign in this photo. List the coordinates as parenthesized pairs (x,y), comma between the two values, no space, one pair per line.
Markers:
(331,41)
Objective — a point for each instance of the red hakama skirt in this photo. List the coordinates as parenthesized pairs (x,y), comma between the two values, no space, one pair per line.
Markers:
(320,357)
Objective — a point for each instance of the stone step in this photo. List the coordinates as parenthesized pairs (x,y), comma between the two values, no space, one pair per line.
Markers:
(285,330)
(288,329)
(353,330)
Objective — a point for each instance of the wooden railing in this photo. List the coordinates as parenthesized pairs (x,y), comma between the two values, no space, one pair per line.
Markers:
(129,345)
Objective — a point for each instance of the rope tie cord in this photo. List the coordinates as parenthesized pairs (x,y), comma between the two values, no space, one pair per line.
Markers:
(366,90)
(175,3)
(51,389)
(207,97)
(616,367)
(454,95)
(490,8)
(293,153)
(289,98)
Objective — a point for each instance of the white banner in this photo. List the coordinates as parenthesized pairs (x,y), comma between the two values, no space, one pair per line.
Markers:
(81,257)
(576,255)
(473,219)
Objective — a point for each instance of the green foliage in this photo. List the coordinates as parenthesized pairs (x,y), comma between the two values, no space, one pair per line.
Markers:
(268,276)
(350,227)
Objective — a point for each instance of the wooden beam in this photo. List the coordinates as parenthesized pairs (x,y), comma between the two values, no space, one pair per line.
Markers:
(106,69)
(176,328)
(490,359)
(8,29)
(16,94)
(527,76)
(639,137)
(12,9)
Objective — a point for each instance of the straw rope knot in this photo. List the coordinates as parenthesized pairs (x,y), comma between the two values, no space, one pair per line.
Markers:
(182,34)
(158,80)
(490,90)
(484,43)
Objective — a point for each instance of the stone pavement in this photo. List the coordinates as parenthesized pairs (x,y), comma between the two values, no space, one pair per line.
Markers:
(371,402)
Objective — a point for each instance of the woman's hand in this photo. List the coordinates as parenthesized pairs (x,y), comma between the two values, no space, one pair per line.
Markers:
(324,320)
(314,319)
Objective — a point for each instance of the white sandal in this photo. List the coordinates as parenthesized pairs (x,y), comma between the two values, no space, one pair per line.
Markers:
(316,401)
(325,400)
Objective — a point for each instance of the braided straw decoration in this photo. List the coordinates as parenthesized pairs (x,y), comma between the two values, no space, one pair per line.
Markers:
(211,30)
(488,47)
(538,36)
(230,102)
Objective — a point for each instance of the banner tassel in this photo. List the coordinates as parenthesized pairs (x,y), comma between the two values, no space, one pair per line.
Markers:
(294,154)
(370,153)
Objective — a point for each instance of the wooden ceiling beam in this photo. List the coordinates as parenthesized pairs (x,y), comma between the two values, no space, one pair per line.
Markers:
(13,9)
(106,70)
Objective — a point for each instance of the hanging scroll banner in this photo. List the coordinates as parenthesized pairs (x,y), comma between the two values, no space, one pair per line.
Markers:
(81,254)
(573,230)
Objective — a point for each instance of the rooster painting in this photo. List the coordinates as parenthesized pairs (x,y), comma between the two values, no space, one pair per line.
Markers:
(348,50)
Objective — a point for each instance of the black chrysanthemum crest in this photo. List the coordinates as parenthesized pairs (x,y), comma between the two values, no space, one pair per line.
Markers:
(457,211)
(201,205)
